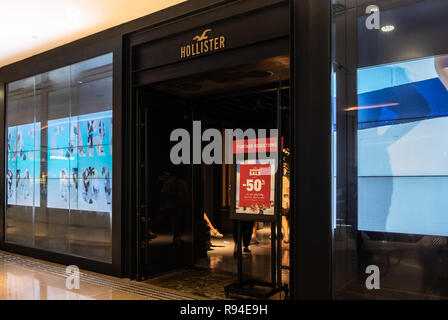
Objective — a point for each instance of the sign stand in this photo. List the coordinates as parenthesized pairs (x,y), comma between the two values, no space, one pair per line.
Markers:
(254,288)
(251,287)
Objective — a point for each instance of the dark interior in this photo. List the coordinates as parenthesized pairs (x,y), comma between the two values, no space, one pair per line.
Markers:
(239,97)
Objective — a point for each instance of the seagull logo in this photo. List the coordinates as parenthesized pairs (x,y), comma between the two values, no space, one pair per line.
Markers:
(203,43)
(203,36)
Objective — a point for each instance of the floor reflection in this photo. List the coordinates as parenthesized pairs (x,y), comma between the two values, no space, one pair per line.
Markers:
(19,280)
(219,269)
(256,265)
(85,240)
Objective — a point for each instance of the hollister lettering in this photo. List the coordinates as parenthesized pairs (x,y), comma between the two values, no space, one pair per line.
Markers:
(203,44)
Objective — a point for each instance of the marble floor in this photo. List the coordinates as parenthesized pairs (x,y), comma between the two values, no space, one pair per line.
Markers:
(23,278)
(219,269)
(205,283)
(256,265)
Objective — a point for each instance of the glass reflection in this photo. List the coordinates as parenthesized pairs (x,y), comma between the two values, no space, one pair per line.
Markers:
(390,150)
(59,160)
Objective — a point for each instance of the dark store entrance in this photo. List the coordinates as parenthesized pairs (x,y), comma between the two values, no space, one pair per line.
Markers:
(223,63)
(228,73)
(188,205)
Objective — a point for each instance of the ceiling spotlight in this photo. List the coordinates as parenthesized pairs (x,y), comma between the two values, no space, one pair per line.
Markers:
(388,28)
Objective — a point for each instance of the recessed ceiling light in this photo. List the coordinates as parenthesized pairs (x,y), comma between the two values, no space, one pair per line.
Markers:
(374,9)
(388,28)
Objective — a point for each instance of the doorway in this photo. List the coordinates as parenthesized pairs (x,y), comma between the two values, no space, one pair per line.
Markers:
(186,208)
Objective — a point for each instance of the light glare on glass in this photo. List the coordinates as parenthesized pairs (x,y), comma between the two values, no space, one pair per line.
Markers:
(388,28)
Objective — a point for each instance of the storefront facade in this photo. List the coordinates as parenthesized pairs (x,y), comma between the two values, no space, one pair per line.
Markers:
(91,87)
(86,123)
(43,101)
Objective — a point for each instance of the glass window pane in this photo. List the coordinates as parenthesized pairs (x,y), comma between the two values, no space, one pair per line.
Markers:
(59,165)
(390,149)
(23,143)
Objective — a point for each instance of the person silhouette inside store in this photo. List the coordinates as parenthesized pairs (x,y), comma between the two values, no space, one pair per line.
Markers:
(175,199)
(246,233)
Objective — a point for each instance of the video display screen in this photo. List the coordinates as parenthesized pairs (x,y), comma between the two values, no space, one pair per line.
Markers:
(58,160)
(403,147)
(23,169)
(80,162)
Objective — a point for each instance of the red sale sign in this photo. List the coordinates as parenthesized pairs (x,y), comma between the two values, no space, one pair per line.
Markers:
(255,188)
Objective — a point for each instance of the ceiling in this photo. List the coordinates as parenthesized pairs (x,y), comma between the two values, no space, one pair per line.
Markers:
(249,91)
(260,73)
(29,27)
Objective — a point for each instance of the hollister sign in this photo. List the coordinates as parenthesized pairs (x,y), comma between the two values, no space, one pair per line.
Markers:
(203,43)
(167,45)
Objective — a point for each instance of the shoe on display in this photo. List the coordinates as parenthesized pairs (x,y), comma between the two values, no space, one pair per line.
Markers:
(215,234)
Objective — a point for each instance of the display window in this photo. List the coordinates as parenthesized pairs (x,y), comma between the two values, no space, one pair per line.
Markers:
(390,151)
(59,160)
